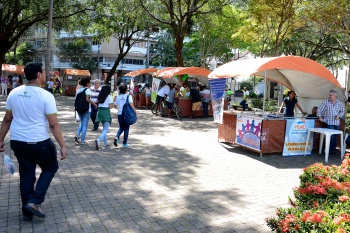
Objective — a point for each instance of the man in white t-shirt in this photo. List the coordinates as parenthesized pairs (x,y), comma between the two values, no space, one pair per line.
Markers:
(29,111)
(161,95)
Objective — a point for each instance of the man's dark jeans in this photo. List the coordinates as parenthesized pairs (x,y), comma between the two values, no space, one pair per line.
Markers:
(205,109)
(93,116)
(333,142)
(28,156)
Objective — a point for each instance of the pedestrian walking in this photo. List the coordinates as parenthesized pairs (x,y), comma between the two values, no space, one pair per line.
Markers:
(123,127)
(84,118)
(105,103)
(95,91)
(28,109)
(4,81)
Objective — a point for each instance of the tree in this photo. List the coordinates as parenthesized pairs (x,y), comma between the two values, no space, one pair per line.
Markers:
(268,24)
(79,51)
(213,35)
(126,22)
(163,52)
(178,16)
(17,17)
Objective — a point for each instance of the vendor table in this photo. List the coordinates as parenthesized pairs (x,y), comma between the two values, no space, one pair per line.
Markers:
(272,132)
(328,133)
(186,105)
(141,100)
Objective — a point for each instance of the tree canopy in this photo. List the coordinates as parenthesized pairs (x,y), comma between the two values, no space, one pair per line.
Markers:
(17,17)
(178,17)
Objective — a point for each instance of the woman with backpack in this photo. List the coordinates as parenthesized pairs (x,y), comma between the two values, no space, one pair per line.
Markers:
(83,116)
(119,104)
(105,103)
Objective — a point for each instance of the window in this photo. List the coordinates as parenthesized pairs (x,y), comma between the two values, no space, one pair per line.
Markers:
(39,44)
(133,61)
(110,59)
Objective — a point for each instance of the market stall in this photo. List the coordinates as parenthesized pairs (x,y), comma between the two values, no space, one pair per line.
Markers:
(310,80)
(13,70)
(141,97)
(70,79)
(194,73)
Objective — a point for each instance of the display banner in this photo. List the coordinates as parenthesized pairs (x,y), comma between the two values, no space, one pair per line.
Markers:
(154,90)
(217,92)
(248,131)
(295,137)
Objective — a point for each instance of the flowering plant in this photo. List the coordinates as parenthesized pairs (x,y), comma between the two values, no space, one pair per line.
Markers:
(321,202)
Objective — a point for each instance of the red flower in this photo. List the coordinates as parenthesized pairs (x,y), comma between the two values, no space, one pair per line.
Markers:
(338,220)
(315,204)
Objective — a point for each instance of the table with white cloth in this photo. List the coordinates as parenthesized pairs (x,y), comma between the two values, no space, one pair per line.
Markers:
(328,133)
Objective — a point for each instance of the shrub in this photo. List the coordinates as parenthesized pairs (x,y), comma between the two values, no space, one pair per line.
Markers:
(321,202)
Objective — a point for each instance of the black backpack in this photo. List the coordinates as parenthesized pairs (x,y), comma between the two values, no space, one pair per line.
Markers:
(81,105)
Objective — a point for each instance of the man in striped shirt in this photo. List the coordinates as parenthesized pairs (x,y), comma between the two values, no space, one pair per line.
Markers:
(330,112)
(95,91)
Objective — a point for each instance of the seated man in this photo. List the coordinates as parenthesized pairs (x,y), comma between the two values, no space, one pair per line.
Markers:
(313,114)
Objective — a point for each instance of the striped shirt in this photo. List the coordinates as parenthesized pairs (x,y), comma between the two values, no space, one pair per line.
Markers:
(329,111)
(94,94)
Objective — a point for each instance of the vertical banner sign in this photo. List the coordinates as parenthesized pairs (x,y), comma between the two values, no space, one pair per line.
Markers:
(217,91)
(248,131)
(295,137)
(154,90)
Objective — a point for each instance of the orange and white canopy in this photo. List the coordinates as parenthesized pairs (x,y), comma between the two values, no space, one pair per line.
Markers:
(76,72)
(142,71)
(310,80)
(170,72)
(16,69)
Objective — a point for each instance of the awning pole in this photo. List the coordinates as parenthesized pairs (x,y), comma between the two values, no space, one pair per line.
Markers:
(265,90)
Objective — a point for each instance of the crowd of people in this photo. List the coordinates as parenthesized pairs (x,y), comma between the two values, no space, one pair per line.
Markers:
(9,82)
(101,101)
(170,93)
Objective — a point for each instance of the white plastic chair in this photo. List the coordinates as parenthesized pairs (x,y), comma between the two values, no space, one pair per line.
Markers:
(345,137)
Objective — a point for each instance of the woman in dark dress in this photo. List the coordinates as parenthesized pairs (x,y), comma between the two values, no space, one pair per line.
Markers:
(290,102)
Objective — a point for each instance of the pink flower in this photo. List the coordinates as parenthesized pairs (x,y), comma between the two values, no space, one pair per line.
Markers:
(338,220)
(343,198)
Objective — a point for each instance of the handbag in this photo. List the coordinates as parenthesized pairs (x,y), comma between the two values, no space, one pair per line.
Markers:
(129,115)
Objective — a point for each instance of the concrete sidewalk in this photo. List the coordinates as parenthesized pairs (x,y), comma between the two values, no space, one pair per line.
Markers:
(175,177)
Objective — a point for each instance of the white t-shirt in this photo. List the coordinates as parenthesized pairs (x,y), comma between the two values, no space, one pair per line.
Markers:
(164,91)
(50,84)
(87,92)
(108,101)
(120,101)
(29,106)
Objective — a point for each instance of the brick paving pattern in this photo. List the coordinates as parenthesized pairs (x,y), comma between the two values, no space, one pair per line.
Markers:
(175,177)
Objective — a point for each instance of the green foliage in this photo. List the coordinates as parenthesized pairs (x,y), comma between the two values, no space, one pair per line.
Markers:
(79,51)
(24,53)
(321,202)
(246,84)
(270,105)
(178,17)
(17,18)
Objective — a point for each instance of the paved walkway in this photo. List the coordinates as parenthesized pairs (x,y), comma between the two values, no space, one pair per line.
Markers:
(175,177)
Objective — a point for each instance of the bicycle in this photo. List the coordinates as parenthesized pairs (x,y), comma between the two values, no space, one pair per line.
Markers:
(178,111)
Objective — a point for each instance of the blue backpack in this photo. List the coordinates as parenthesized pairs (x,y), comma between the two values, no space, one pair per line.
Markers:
(129,115)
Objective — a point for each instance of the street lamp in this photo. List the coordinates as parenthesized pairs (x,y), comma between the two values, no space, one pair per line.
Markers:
(49,37)
(33,52)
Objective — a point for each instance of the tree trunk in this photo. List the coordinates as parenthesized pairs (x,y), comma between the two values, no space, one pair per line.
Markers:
(112,71)
(178,47)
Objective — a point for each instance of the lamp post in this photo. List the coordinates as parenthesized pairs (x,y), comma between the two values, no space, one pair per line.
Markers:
(48,48)
(35,53)
(98,61)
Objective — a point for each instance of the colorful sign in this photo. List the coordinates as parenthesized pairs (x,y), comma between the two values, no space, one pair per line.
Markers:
(154,90)
(217,91)
(248,131)
(295,137)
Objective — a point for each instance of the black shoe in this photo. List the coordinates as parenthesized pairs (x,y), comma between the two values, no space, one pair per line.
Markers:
(116,142)
(77,139)
(97,146)
(35,209)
